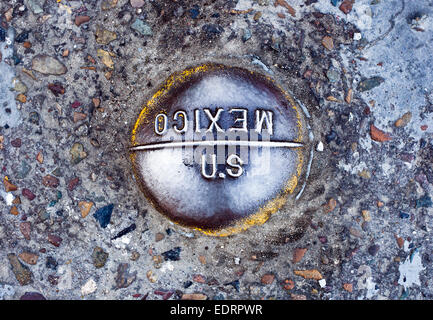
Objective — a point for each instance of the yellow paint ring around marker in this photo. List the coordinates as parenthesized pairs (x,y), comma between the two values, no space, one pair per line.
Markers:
(273,205)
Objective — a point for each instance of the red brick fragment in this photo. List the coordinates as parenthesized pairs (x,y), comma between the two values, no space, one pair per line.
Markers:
(379,135)
(79,20)
(28,194)
(267,279)
(298,254)
(54,240)
(56,88)
(73,183)
(346,6)
(50,181)
(25,229)
(16,143)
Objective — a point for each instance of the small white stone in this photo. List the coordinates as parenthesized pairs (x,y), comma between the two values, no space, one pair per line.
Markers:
(320,146)
(322,283)
(167,266)
(335,63)
(9,198)
(357,36)
(89,287)
(237,260)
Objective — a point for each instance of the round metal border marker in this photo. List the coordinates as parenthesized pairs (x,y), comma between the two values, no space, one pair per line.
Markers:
(265,211)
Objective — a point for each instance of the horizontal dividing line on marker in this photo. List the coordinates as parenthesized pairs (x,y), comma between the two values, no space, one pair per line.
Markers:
(179,144)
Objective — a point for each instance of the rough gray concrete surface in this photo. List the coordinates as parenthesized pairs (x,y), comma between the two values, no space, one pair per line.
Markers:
(72,87)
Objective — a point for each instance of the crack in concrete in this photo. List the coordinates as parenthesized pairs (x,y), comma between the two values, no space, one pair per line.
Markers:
(392,25)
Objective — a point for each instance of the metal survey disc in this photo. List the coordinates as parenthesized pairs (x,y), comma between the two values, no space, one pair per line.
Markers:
(219,148)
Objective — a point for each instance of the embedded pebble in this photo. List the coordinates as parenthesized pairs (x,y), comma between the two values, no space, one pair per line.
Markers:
(85,207)
(28,194)
(21,272)
(89,287)
(55,240)
(379,135)
(56,88)
(298,254)
(16,143)
(141,27)
(50,181)
(135,256)
(125,231)
(298,296)
(400,242)
(36,6)
(25,228)
(267,279)
(108,4)
(372,250)
(48,65)
(137,3)
(173,254)
(246,35)
(28,257)
(194,296)
(348,287)
(123,277)
(32,296)
(51,263)
(14,211)
(106,58)
(79,116)
(199,278)
(40,157)
(8,185)
(309,274)
(330,205)
(346,6)
(99,257)
(103,215)
(370,83)
(328,42)
(79,20)
(159,236)
(333,75)
(104,36)
(19,86)
(77,153)
(424,202)
(404,120)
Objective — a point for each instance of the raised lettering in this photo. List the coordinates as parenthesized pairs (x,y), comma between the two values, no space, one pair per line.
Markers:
(203,166)
(262,115)
(161,124)
(231,161)
(182,115)
(197,120)
(242,120)
(214,119)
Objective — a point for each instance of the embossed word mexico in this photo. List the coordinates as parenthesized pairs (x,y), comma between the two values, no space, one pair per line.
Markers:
(238,138)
